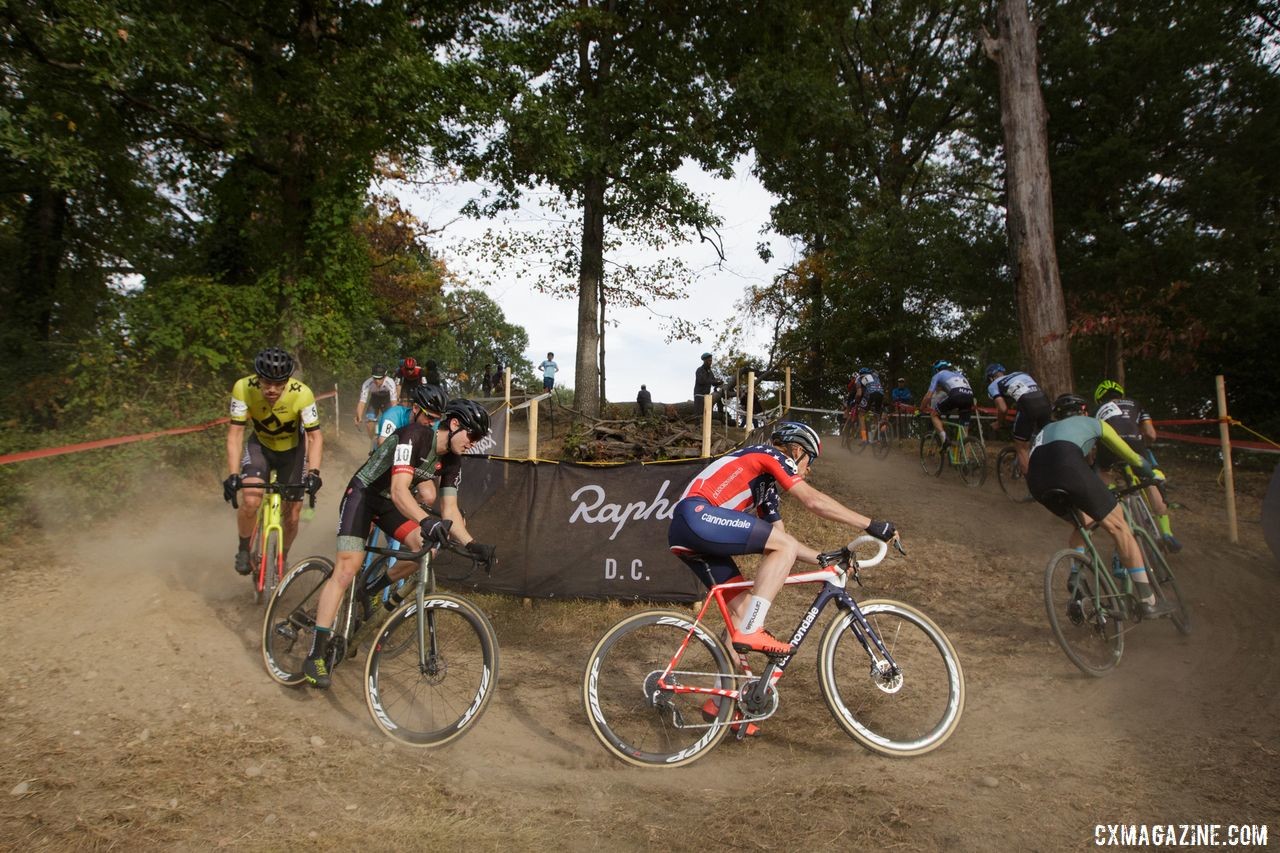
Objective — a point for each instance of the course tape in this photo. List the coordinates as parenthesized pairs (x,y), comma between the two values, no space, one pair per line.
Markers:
(44,452)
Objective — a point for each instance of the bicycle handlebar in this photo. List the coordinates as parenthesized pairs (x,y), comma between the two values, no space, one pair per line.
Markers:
(414,556)
(272,487)
(849,557)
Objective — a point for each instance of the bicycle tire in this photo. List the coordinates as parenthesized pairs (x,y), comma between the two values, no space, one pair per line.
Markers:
(846,435)
(880,449)
(931,456)
(910,714)
(973,464)
(1164,582)
(1090,636)
(638,723)
(432,707)
(289,624)
(1009,475)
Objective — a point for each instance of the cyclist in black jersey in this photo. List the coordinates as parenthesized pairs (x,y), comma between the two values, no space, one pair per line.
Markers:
(382,492)
(1138,430)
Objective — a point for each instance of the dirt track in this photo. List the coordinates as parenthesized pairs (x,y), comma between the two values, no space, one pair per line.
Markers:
(135,712)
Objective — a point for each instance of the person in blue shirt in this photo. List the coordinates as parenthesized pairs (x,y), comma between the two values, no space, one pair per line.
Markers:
(949,391)
(902,394)
(549,369)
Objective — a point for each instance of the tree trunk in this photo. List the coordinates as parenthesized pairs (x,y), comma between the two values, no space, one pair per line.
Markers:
(1042,312)
(586,390)
(44,222)
(604,398)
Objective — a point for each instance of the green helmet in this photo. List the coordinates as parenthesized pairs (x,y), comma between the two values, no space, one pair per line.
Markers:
(1105,387)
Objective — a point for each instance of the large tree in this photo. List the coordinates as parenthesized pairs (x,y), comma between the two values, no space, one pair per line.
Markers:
(614,97)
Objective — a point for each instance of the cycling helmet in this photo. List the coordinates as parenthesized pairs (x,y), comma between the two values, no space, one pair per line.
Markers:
(794,432)
(993,369)
(470,414)
(430,398)
(1069,405)
(273,364)
(379,371)
(941,365)
(1105,387)
(863,371)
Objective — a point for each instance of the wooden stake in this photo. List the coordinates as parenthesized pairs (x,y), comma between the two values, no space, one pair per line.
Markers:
(786,393)
(706,425)
(1229,478)
(751,399)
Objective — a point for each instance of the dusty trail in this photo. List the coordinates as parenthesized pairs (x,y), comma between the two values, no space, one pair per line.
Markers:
(136,710)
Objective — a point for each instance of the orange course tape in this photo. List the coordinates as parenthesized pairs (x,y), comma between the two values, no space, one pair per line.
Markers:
(45,452)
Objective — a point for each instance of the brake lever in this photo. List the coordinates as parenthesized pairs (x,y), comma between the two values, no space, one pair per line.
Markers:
(897,543)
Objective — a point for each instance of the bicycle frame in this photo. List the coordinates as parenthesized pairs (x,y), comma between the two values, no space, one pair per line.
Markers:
(833,577)
(270,520)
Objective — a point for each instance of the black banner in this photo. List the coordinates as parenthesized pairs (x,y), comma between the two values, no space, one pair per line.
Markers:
(492,443)
(566,530)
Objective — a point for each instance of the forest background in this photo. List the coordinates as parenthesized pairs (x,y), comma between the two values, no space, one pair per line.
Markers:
(181,185)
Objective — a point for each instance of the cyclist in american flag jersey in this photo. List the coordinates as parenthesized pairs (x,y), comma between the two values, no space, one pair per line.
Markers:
(732,507)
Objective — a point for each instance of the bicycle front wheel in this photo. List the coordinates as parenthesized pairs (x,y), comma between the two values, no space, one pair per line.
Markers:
(289,626)
(931,457)
(846,434)
(1009,475)
(432,700)
(881,447)
(1080,605)
(906,708)
(1164,583)
(632,715)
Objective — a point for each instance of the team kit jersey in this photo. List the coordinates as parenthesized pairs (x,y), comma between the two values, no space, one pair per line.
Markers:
(1021,391)
(278,427)
(870,383)
(1126,417)
(1012,386)
(378,394)
(951,382)
(1058,461)
(392,419)
(729,509)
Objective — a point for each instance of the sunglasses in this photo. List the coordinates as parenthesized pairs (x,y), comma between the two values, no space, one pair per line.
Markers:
(474,436)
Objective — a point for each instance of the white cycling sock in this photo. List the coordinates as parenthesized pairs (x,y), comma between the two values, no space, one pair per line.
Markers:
(753,620)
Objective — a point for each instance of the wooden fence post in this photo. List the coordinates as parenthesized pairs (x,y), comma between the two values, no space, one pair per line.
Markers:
(1229,478)
(533,430)
(786,392)
(751,399)
(506,402)
(706,425)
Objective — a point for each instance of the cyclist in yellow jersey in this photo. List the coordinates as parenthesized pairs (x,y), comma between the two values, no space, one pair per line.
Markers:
(282,411)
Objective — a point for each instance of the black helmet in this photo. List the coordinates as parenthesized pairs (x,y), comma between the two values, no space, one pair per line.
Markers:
(379,371)
(794,432)
(273,364)
(1069,405)
(470,414)
(428,397)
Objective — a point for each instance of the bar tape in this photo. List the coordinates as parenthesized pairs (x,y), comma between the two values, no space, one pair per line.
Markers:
(45,452)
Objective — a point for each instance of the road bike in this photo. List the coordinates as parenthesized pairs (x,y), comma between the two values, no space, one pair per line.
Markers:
(432,665)
(969,457)
(1091,605)
(266,544)
(661,689)
(857,424)
(1009,474)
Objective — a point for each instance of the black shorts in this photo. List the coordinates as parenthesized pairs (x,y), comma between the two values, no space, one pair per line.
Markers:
(873,401)
(1060,465)
(1034,412)
(361,508)
(958,401)
(289,465)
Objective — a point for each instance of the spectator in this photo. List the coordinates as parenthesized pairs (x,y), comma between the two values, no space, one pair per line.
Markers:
(704,381)
(902,394)
(487,381)
(549,369)
(644,401)
(432,374)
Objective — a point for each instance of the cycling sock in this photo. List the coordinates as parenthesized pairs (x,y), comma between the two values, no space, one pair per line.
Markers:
(757,609)
(320,645)
(244,543)
(1165,527)
(378,584)
(1141,585)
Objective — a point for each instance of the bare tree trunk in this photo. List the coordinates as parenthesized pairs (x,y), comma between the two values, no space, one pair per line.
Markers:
(1042,311)
(603,300)
(586,391)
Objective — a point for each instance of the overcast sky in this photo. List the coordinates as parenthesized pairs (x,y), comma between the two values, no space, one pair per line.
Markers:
(635,350)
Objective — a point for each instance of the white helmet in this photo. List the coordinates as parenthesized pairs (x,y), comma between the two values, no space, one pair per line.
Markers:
(794,432)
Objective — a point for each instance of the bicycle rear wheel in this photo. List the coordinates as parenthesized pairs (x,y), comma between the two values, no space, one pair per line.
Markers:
(931,458)
(431,704)
(289,626)
(973,464)
(633,717)
(1164,583)
(1009,475)
(1078,603)
(900,712)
